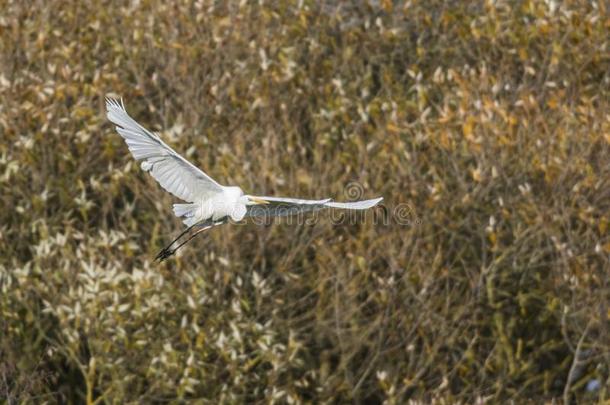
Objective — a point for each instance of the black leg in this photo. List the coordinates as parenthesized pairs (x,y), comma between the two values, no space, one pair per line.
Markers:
(165,252)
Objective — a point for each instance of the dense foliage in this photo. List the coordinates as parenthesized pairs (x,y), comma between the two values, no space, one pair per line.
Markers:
(485,277)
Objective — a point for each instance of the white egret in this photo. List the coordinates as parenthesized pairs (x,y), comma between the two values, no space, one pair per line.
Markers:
(208,203)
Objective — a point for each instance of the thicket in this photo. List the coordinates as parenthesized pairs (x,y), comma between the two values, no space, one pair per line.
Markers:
(485,277)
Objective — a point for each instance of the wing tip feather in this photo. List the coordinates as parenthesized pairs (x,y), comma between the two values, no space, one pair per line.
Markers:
(355,205)
(112,103)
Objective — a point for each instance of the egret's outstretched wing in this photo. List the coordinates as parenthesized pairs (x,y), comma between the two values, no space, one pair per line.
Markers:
(280,207)
(355,205)
(173,172)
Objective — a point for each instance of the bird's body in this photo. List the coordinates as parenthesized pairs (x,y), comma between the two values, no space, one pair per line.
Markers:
(230,202)
(207,202)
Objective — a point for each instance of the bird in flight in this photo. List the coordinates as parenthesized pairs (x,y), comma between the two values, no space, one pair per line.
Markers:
(208,204)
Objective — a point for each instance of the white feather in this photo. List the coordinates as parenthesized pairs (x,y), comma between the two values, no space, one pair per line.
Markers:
(174,173)
(209,201)
(355,205)
(279,206)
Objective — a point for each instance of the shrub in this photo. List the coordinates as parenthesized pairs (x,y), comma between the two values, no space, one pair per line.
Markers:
(485,125)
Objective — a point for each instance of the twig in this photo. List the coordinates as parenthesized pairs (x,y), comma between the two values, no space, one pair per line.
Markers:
(576,363)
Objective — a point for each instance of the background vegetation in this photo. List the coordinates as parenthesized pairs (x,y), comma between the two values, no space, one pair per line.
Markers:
(489,121)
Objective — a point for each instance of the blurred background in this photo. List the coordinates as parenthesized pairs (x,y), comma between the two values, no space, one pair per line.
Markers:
(488,120)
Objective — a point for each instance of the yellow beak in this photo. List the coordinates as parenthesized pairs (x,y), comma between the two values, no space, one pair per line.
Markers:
(257,200)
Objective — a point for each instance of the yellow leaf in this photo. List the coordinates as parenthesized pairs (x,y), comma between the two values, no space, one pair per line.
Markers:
(476,175)
(467,127)
(493,238)
(387,5)
(393,128)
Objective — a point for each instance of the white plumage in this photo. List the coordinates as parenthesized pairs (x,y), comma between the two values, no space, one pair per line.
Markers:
(208,203)
(173,172)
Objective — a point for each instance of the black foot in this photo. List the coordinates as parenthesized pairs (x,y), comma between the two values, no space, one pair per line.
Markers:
(164,254)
